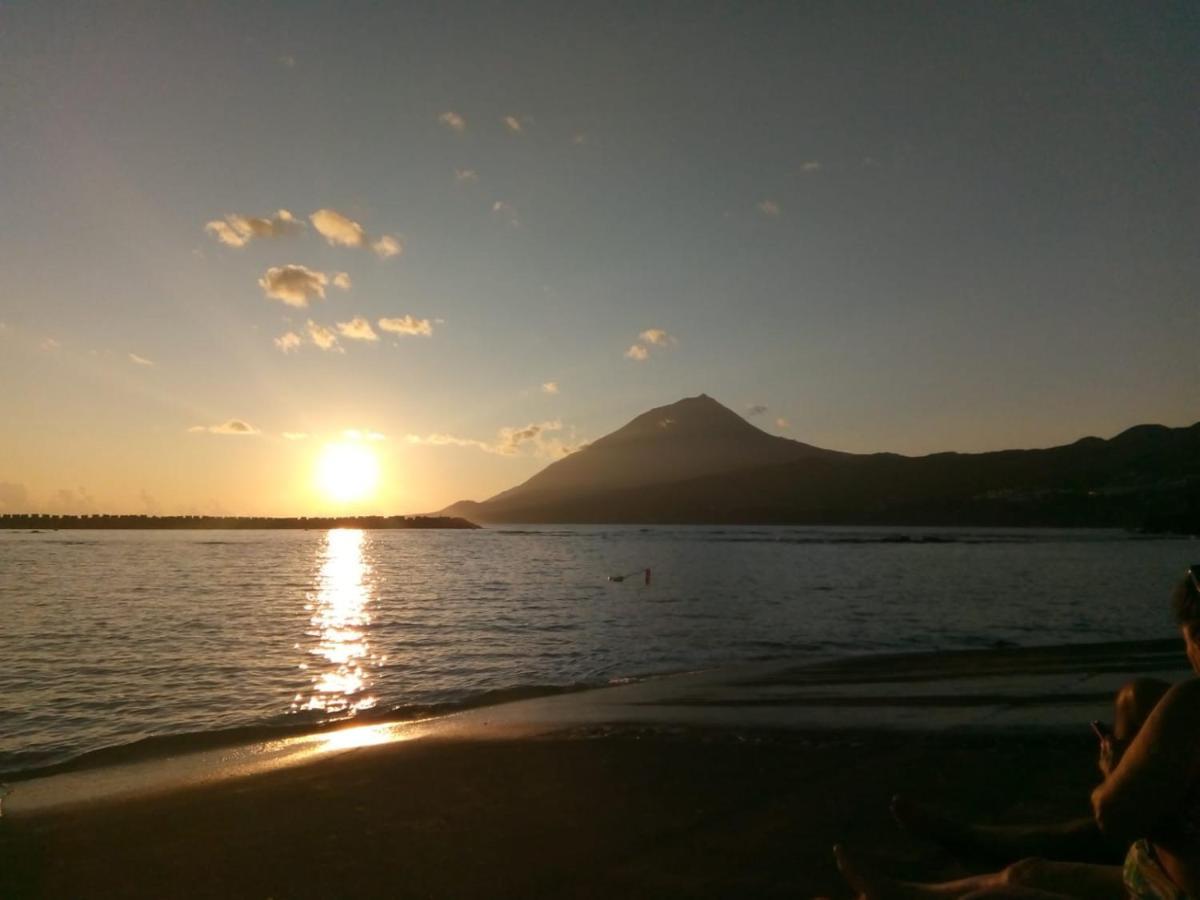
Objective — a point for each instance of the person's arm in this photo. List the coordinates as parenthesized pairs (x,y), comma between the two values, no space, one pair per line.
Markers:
(1154,773)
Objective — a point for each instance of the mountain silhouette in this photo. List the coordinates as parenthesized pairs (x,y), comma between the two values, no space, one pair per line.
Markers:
(695,461)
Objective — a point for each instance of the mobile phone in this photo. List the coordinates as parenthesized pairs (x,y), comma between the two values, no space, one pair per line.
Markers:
(1100,729)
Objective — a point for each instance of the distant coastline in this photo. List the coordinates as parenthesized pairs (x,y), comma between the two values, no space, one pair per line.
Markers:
(43,521)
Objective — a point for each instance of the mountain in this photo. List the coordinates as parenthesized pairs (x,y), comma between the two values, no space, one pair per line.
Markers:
(697,462)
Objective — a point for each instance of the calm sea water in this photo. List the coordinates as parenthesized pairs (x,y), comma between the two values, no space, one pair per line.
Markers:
(110,637)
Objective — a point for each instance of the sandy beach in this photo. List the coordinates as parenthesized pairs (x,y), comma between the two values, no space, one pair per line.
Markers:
(722,784)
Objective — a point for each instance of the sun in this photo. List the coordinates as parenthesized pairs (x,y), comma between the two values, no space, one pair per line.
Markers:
(347,472)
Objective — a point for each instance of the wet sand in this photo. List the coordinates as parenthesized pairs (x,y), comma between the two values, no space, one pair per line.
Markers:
(669,805)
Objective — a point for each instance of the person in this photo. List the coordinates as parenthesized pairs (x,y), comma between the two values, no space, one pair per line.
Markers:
(1148,803)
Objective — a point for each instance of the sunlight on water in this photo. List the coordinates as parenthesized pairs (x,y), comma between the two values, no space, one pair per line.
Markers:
(341,614)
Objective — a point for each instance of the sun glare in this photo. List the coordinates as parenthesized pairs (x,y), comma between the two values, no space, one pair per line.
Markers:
(347,472)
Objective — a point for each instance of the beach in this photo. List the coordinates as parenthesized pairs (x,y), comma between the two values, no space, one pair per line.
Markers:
(713,784)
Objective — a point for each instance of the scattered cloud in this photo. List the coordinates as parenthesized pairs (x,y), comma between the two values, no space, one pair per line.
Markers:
(357,329)
(293,284)
(342,280)
(289,342)
(140,360)
(638,352)
(407,325)
(74,501)
(782,424)
(756,410)
(453,121)
(338,230)
(237,230)
(550,387)
(49,344)
(810,166)
(657,336)
(540,438)
(513,124)
(465,175)
(294,435)
(13,497)
(232,426)
(353,434)
(506,212)
(322,336)
(388,246)
(769,208)
(287,61)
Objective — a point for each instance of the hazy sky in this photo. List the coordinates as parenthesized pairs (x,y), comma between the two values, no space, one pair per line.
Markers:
(907,227)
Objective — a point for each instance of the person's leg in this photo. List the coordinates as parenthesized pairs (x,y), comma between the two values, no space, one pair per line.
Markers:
(1028,878)
(1075,839)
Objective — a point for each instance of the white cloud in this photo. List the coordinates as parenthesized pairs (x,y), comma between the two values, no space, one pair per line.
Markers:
(453,121)
(293,284)
(657,337)
(357,329)
(140,360)
(232,426)
(388,246)
(810,166)
(407,325)
(506,212)
(238,230)
(49,344)
(342,280)
(294,435)
(509,441)
(513,124)
(322,336)
(550,387)
(287,61)
(462,175)
(289,341)
(337,229)
(638,352)
(769,208)
(782,424)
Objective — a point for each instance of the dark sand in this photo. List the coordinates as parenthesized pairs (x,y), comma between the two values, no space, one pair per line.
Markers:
(662,809)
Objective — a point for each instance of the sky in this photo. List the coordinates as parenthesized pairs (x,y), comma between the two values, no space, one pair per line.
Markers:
(456,241)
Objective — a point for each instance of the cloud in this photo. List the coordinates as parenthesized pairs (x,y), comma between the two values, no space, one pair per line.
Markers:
(238,230)
(513,124)
(289,342)
(342,280)
(638,352)
(769,208)
(756,410)
(357,329)
(388,246)
(578,138)
(13,497)
(140,360)
(810,166)
(550,387)
(407,325)
(453,121)
(509,441)
(294,435)
(293,284)
(287,61)
(337,229)
(782,424)
(322,336)
(464,175)
(353,434)
(232,426)
(74,501)
(49,344)
(657,337)
(506,212)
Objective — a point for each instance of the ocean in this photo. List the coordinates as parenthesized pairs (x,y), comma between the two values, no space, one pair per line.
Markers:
(109,638)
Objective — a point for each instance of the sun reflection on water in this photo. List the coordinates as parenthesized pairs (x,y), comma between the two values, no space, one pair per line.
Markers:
(340,617)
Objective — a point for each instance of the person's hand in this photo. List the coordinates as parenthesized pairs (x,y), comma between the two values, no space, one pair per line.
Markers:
(1111,751)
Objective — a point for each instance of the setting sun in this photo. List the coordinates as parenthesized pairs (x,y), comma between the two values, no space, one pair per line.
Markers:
(347,472)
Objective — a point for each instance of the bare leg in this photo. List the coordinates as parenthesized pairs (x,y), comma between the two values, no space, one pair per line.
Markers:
(1076,839)
(1029,878)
